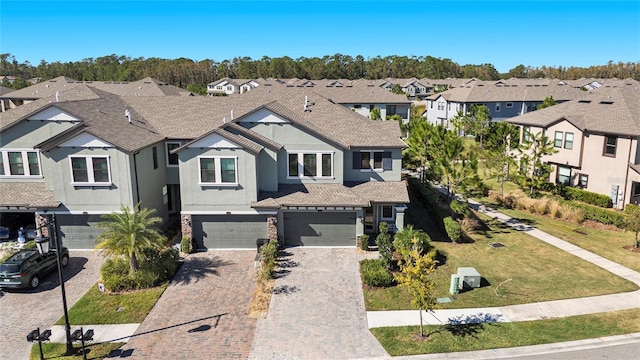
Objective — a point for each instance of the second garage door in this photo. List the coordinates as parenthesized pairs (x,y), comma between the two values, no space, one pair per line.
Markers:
(320,229)
(229,231)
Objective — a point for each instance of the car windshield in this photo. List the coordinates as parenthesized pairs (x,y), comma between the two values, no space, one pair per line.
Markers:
(9,268)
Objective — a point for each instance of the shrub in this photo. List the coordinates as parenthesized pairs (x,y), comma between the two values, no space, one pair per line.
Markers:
(185,245)
(375,274)
(364,242)
(598,214)
(157,266)
(588,197)
(30,245)
(385,246)
(631,209)
(453,229)
(404,241)
(269,255)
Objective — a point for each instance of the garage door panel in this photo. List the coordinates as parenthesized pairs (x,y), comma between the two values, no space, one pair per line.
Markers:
(319,229)
(234,231)
(79,231)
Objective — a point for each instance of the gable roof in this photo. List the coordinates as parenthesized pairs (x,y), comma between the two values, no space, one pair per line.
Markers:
(489,91)
(616,111)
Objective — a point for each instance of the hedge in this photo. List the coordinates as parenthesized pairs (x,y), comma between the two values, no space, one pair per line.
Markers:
(375,274)
(604,216)
(571,193)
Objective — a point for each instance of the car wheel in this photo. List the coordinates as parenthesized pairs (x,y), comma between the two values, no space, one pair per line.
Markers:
(65,260)
(34,282)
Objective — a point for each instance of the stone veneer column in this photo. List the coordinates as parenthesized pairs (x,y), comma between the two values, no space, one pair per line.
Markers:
(185,222)
(272,228)
(41,222)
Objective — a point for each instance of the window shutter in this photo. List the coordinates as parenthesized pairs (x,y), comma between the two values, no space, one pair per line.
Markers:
(387,161)
(356,160)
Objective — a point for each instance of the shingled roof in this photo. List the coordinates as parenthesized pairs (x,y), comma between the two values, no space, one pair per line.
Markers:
(612,111)
(30,195)
(490,91)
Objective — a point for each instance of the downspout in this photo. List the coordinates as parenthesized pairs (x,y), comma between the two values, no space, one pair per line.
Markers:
(136,195)
(626,176)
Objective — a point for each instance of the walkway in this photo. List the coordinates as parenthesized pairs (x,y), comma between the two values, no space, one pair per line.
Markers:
(526,312)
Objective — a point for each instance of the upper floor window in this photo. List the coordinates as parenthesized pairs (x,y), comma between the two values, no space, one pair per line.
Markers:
(526,133)
(372,160)
(568,140)
(229,87)
(219,87)
(508,105)
(498,107)
(90,170)
(440,105)
(610,143)
(216,170)
(154,151)
(558,139)
(308,164)
(19,163)
(172,159)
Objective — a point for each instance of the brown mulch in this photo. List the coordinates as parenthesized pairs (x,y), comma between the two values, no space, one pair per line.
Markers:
(599,226)
(632,249)
(259,307)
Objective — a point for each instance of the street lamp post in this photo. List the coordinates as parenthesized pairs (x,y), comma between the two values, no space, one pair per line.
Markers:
(41,242)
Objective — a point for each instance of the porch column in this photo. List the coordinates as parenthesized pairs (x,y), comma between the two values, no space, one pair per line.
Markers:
(272,228)
(359,222)
(185,222)
(400,217)
(41,224)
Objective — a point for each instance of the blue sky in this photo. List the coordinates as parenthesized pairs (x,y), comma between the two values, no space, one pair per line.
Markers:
(503,33)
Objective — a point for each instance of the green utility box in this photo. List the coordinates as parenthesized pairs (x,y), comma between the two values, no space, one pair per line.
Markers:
(455,284)
(469,277)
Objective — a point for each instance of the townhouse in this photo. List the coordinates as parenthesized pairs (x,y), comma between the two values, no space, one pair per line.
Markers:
(596,137)
(227,86)
(297,167)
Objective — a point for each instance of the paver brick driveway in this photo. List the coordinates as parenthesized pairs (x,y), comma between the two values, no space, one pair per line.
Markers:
(25,310)
(319,310)
(202,314)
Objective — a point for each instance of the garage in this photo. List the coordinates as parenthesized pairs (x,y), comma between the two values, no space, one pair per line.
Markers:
(79,231)
(229,231)
(319,228)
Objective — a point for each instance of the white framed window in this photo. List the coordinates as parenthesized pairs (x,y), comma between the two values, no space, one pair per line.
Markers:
(310,164)
(584,181)
(218,170)
(22,163)
(90,170)
(498,107)
(508,105)
(440,105)
(386,212)
(558,139)
(172,159)
(564,175)
(229,87)
(526,133)
(568,140)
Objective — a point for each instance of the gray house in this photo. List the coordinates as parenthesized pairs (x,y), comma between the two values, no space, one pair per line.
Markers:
(299,168)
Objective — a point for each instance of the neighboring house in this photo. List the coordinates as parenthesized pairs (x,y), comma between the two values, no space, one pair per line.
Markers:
(297,168)
(144,87)
(359,96)
(414,88)
(229,86)
(4,103)
(597,141)
(503,100)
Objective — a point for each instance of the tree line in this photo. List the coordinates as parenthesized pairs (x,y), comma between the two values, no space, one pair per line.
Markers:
(184,72)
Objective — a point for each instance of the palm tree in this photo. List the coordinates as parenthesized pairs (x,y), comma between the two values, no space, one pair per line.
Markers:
(128,233)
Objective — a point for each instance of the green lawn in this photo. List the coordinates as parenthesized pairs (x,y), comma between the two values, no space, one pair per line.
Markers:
(528,269)
(606,243)
(96,307)
(55,351)
(402,341)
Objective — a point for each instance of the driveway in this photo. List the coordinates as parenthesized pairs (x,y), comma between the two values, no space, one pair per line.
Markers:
(202,314)
(25,310)
(318,309)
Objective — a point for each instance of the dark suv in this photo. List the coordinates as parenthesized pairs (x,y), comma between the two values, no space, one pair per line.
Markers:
(26,267)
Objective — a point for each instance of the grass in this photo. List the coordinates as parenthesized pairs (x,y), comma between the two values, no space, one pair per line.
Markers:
(96,307)
(606,243)
(402,341)
(531,271)
(55,351)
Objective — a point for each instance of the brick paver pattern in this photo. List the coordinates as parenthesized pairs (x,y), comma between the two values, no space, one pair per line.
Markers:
(25,310)
(318,310)
(202,314)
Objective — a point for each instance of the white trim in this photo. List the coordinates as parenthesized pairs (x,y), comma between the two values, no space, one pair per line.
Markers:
(300,154)
(218,171)
(381,212)
(324,208)
(4,153)
(372,161)
(221,212)
(166,153)
(85,140)
(90,174)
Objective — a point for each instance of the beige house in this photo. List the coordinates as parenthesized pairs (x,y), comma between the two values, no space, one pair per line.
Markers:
(597,142)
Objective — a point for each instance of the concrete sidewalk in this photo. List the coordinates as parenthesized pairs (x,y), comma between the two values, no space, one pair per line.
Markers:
(102,333)
(524,312)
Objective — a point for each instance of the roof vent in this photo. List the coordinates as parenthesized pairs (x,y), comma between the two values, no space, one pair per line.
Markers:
(127,113)
(57,96)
